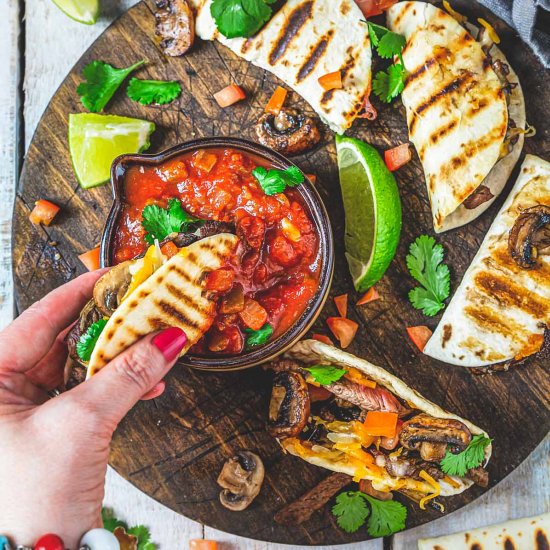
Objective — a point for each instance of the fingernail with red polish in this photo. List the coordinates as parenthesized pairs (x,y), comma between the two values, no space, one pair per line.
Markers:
(170,342)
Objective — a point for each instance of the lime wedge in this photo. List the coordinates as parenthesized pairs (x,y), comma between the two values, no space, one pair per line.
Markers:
(96,140)
(83,11)
(373,211)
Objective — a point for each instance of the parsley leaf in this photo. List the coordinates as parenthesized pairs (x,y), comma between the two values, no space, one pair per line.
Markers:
(376,32)
(471,457)
(153,91)
(275,181)
(390,44)
(325,374)
(103,81)
(388,85)
(86,343)
(425,265)
(240,18)
(110,522)
(386,517)
(350,510)
(258,337)
(160,222)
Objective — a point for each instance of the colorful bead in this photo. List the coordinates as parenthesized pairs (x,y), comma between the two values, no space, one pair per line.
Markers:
(100,539)
(4,543)
(49,542)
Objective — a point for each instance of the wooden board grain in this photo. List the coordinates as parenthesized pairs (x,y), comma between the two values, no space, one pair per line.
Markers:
(173,448)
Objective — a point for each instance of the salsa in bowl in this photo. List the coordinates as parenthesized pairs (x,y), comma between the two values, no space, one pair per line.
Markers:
(271,291)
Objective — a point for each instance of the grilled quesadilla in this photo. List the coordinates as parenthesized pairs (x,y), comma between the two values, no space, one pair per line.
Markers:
(465,111)
(368,424)
(305,40)
(501,310)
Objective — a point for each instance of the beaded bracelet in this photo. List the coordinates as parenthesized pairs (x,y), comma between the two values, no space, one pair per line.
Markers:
(96,539)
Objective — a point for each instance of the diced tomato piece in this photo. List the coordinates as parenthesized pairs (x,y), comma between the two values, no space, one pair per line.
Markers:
(252,229)
(260,274)
(312,178)
(204,160)
(397,157)
(390,443)
(43,212)
(90,259)
(318,393)
(370,8)
(420,336)
(220,280)
(381,423)
(342,304)
(249,262)
(331,81)
(229,95)
(236,341)
(234,301)
(253,315)
(225,321)
(169,249)
(290,231)
(282,252)
(276,102)
(343,329)
(322,338)
(370,296)
(202,544)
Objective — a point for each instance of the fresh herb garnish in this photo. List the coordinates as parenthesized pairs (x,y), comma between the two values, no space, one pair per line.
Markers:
(275,181)
(471,457)
(384,518)
(425,265)
(153,91)
(110,522)
(103,81)
(389,84)
(160,222)
(86,343)
(240,18)
(258,337)
(325,374)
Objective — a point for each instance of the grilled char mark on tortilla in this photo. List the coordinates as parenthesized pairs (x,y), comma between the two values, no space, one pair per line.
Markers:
(317,53)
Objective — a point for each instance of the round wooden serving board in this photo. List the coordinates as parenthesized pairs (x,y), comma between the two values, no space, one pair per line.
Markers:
(172,448)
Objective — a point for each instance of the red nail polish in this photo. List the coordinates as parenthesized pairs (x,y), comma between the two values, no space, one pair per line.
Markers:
(170,342)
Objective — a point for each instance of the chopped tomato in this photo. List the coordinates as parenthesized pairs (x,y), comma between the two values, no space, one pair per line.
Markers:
(228,340)
(371,8)
(43,212)
(253,315)
(331,81)
(90,259)
(275,104)
(322,338)
(397,157)
(252,229)
(390,443)
(420,336)
(169,249)
(318,393)
(343,329)
(369,296)
(220,280)
(282,252)
(204,161)
(202,544)
(234,301)
(290,231)
(229,95)
(312,178)
(342,304)
(381,423)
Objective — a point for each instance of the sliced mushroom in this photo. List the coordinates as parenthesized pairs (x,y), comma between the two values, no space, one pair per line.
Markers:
(478,197)
(289,406)
(241,479)
(530,236)
(111,288)
(431,436)
(175,25)
(290,132)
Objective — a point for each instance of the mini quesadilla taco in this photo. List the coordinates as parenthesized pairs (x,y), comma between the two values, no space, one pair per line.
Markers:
(501,309)
(465,111)
(342,413)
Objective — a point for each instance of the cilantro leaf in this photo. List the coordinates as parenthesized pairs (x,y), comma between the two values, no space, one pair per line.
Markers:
(386,517)
(258,337)
(425,265)
(153,91)
(144,537)
(325,374)
(86,343)
(388,85)
(240,18)
(110,522)
(275,181)
(471,457)
(350,510)
(390,44)
(376,32)
(160,222)
(102,81)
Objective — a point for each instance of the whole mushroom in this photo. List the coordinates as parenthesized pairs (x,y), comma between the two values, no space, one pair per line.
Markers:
(175,26)
(111,288)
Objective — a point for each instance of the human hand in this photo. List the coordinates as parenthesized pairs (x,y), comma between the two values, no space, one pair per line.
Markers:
(54,452)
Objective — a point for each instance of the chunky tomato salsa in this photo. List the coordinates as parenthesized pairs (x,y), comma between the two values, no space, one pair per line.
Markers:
(275,272)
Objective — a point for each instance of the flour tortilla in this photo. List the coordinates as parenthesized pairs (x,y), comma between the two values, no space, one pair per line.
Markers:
(457,112)
(314,352)
(173,296)
(499,311)
(304,40)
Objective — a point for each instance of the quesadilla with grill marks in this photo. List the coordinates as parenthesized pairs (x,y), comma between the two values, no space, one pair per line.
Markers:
(501,310)
(304,40)
(368,424)
(465,111)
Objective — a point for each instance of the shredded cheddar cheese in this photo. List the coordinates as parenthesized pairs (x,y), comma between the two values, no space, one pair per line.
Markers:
(434,484)
(144,268)
(458,16)
(490,30)
(397,453)
(354,375)
(451,482)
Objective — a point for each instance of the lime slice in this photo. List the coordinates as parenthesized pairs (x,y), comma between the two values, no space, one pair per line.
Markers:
(83,11)
(373,211)
(96,140)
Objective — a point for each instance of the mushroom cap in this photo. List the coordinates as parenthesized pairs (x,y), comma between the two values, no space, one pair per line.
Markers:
(111,287)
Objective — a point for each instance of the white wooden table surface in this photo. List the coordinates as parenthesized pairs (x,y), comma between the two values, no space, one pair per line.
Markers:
(38,46)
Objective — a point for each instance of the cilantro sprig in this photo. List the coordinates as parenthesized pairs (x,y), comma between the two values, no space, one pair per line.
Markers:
(325,374)
(160,222)
(88,340)
(110,522)
(147,92)
(385,517)
(258,337)
(425,263)
(240,18)
(471,457)
(275,181)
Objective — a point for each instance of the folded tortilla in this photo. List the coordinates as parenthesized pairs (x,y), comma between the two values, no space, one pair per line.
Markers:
(173,296)
(500,311)
(313,352)
(304,40)
(458,111)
